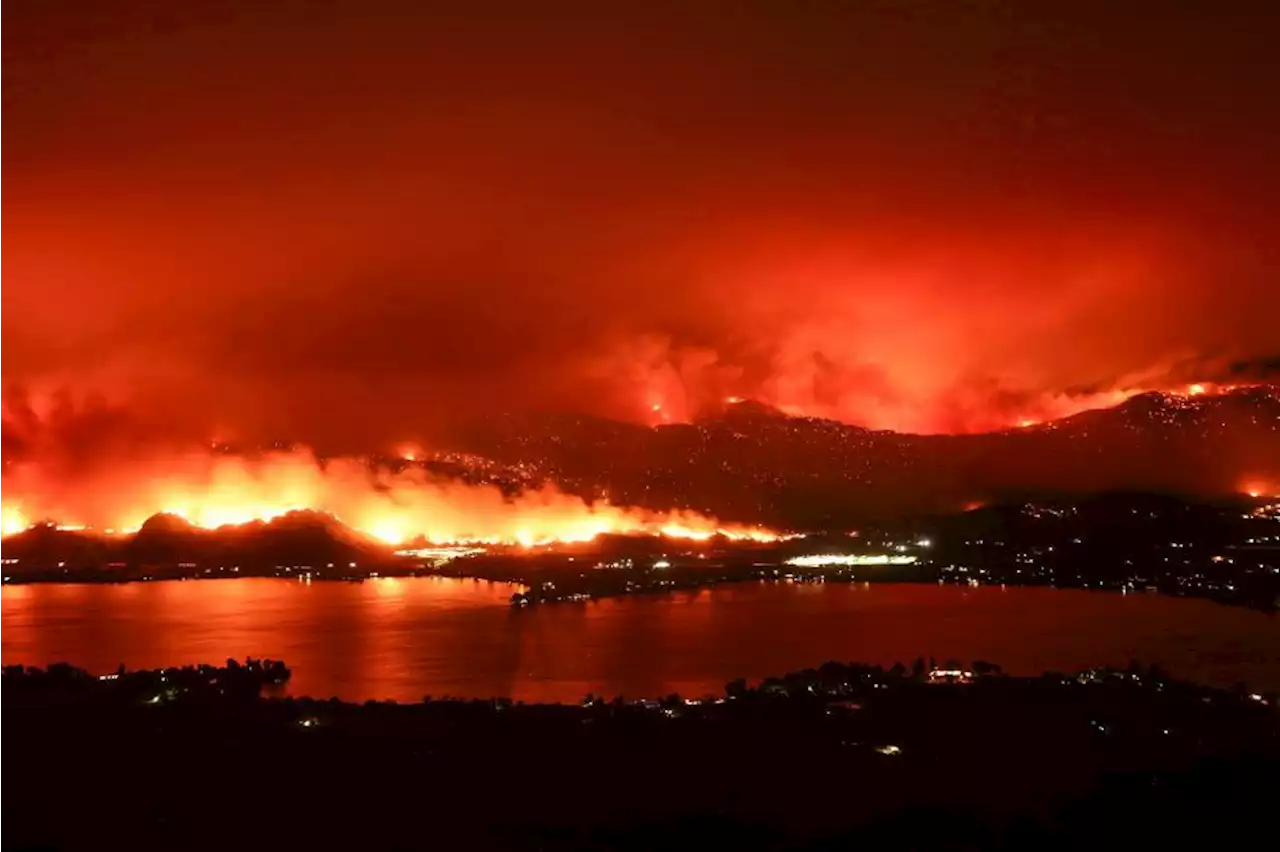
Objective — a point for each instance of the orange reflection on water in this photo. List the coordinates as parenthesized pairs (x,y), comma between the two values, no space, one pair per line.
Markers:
(405,638)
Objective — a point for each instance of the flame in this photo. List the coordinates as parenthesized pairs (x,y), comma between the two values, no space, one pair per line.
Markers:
(12,520)
(210,491)
(388,532)
(1256,488)
(1058,407)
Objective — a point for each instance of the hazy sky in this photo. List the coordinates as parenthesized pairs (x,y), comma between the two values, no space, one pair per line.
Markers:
(343,221)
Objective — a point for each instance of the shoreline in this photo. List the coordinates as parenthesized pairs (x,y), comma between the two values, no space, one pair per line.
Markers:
(833,681)
(533,592)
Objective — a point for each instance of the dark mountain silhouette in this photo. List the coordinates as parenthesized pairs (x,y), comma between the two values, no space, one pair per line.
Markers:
(167,541)
(46,545)
(752,463)
(296,537)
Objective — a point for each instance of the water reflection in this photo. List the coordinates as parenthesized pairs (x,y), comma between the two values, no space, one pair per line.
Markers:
(402,639)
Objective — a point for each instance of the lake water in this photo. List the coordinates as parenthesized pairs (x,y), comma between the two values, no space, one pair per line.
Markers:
(405,638)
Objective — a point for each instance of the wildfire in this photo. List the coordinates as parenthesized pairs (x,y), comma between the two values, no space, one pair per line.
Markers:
(1257,489)
(394,507)
(916,415)
(1058,407)
(12,520)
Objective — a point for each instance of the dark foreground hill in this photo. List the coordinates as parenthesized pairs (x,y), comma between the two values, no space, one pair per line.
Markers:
(845,756)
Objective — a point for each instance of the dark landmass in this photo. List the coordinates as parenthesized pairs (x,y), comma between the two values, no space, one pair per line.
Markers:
(935,755)
(1226,550)
(754,464)
(168,547)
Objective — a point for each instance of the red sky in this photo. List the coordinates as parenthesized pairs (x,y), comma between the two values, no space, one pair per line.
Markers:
(343,222)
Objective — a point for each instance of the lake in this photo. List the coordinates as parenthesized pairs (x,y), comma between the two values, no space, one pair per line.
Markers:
(406,638)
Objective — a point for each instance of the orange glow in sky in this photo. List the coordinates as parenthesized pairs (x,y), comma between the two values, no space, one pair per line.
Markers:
(606,212)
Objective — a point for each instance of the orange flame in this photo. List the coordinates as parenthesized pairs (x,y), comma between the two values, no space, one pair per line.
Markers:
(12,520)
(1256,488)
(211,491)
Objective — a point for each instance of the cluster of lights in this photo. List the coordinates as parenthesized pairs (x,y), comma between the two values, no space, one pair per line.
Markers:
(1112,398)
(950,675)
(440,555)
(1271,511)
(829,560)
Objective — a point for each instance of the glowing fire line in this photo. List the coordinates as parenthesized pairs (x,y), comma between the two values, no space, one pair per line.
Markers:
(394,533)
(209,492)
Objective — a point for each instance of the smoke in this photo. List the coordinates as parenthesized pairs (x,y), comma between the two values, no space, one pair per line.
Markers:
(347,232)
